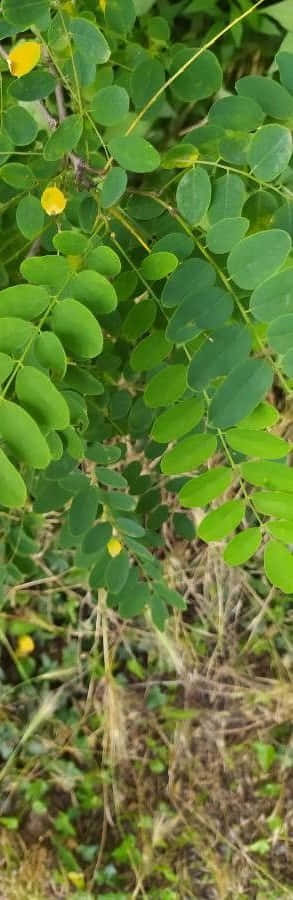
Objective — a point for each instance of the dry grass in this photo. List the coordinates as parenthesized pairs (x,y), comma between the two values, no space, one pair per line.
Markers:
(227,683)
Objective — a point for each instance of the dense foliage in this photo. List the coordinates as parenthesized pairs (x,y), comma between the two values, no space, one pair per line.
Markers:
(147,297)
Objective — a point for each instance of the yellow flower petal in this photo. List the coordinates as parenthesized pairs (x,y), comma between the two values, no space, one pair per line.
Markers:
(114,547)
(53,201)
(25,646)
(76,878)
(24,57)
(103,4)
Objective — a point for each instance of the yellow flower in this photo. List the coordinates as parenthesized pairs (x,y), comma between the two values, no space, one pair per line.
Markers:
(53,201)
(103,4)
(114,547)
(25,646)
(24,57)
(76,878)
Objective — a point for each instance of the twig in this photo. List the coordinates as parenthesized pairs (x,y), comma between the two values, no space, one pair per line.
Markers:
(60,102)
(3,53)
(34,249)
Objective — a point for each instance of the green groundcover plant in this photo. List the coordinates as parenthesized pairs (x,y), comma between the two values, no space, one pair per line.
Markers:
(146,304)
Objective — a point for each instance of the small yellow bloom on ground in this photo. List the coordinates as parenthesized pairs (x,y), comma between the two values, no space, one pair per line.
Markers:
(25,645)
(114,547)
(53,201)
(24,57)
(103,5)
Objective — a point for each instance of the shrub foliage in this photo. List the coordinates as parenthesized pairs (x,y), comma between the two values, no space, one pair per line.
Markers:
(146,304)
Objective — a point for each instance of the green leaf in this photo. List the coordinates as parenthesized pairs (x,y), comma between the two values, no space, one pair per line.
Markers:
(183,527)
(111,477)
(287,363)
(120,15)
(166,386)
(134,153)
(274,503)
(130,527)
(6,366)
(257,443)
(29,12)
(114,186)
(284,61)
(189,454)
(83,381)
(147,78)
(64,138)
(30,217)
(139,319)
(52,270)
(206,310)
(18,176)
(70,242)
(263,416)
(20,126)
(150,352)
(190,279)
(15,334)
(89,41)
(179,243)
(181,156)
(40,397)
(258,256)
(240,393)
(222,236)
(270,151)
(34,86)
(110,105)
(218,356)
(97,538)
(242,547)
(282,12)
(280,333)
(269,94)
(12,487)
(218,523)
(274,297)
(278,563)
(23,301)
(207,487)
(193,195)
(144,208)
(228,198)
(177,420)
(132,599)
(269,475)
(158,265)
(94,291)
(282,530)
(23,436)
(50,353)
(83,509)
(117,573)
(77,328)
(237,113)
(201,78)
(105,261)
